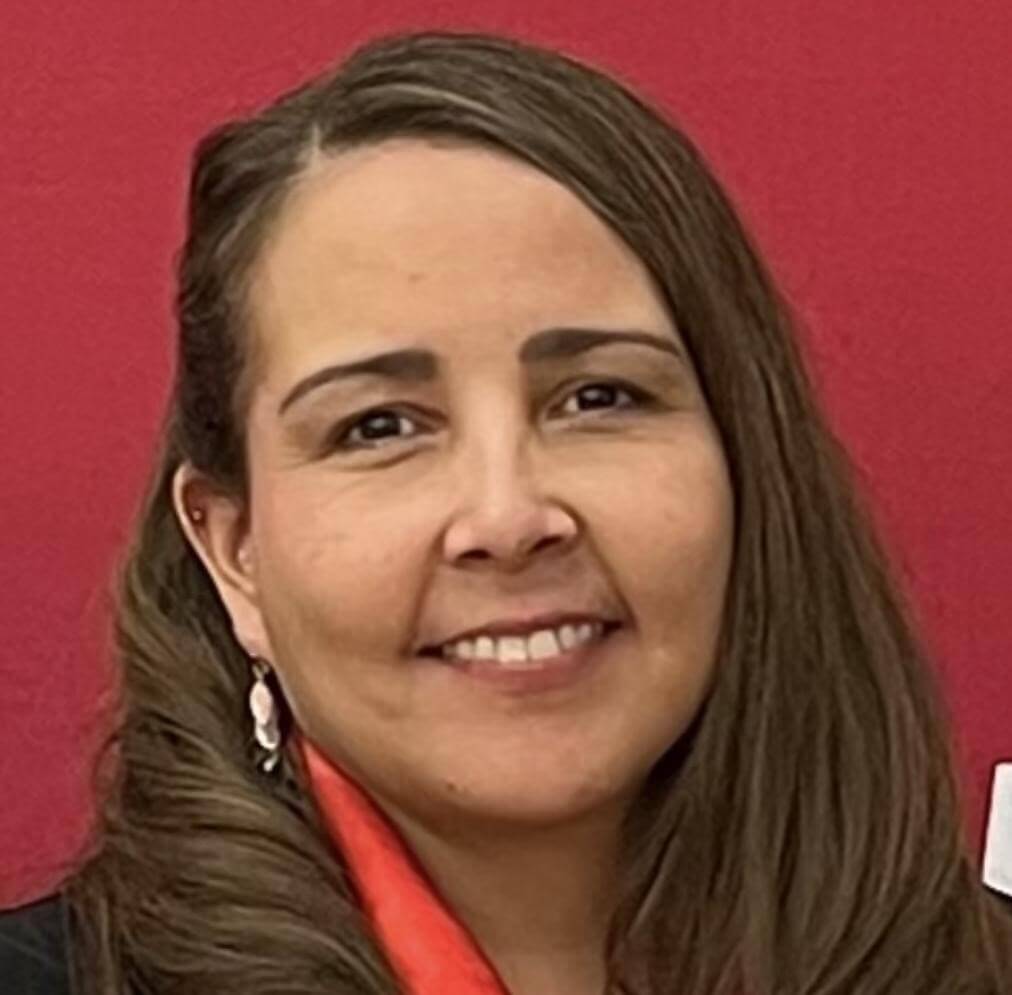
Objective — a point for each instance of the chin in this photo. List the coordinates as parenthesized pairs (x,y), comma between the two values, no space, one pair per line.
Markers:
(530,797)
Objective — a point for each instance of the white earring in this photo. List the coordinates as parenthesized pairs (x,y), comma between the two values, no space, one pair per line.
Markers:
(265,716)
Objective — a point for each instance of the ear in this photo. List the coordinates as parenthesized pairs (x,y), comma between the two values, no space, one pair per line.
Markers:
(221,538)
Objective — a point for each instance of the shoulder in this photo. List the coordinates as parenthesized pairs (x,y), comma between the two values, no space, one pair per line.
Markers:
(33,948)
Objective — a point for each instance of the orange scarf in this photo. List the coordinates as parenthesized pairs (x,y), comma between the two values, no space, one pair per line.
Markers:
(430,949)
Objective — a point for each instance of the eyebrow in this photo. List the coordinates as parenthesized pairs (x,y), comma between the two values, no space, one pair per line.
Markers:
(421,365)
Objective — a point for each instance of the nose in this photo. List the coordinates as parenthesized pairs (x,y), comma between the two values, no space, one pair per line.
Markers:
(503,512)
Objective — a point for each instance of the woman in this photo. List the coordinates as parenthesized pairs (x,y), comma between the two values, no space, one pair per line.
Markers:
(501,617)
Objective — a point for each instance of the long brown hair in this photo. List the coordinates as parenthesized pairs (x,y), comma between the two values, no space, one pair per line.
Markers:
(805,836)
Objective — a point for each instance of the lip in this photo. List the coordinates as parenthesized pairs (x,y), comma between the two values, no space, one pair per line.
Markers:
(522,626)
(566,670)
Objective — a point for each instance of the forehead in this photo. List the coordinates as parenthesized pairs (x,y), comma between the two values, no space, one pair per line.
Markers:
(411,242)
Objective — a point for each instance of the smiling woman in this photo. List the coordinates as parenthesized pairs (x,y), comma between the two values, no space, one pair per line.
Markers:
(501,615)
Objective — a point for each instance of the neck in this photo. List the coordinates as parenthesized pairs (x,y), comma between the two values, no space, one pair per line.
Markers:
(538,900)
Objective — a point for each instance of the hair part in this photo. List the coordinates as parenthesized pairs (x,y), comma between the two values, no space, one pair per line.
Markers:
(805,834)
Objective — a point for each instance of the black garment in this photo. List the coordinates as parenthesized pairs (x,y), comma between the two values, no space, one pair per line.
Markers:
(34,949)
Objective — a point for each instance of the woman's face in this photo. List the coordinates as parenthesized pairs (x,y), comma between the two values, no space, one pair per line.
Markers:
(495,488)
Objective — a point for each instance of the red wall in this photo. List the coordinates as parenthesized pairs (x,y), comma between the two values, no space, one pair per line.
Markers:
(868,144)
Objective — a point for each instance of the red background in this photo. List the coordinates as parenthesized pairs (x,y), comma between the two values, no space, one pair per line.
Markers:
(867,143)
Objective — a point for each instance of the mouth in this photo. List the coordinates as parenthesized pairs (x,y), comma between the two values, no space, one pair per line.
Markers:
(523,675)
(440,652)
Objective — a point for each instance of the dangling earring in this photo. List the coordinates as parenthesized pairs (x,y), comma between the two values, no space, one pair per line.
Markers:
(265,717)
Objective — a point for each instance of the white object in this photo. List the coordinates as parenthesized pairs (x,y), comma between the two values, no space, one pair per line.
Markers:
(998,844)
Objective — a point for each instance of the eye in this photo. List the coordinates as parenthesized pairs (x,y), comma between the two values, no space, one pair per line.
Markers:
(609,388)
(375,424)
(372,423)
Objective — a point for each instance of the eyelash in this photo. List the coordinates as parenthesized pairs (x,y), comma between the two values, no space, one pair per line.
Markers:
(335,440)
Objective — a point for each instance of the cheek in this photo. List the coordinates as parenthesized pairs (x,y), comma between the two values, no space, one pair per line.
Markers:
(325,595)
(677,551)
(668,520)
(334,550)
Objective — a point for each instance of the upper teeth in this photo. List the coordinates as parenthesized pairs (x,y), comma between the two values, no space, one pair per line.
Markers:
(522,649)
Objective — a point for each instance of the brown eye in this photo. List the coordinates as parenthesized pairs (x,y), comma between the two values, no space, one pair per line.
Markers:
(601,392)
(377,425)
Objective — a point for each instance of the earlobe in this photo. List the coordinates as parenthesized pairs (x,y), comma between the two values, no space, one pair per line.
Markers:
(191,514)
(218,538)
(212,524)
